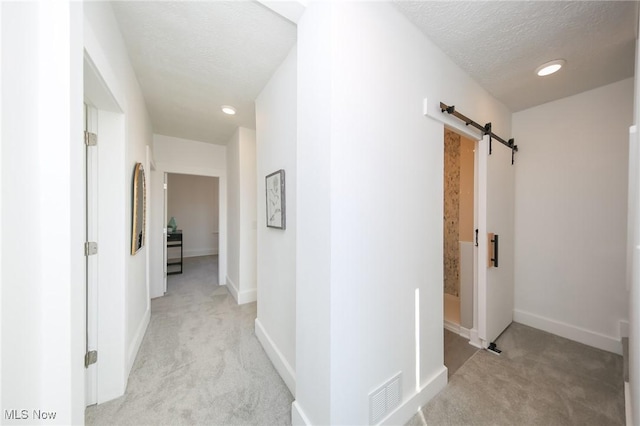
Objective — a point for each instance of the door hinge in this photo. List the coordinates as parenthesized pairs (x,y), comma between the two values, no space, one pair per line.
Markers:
(90,139)
(165,186)
(90,357)
(90,248)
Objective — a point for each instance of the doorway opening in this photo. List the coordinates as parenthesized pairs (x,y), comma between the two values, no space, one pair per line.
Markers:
(193,206)
(459,232)
(91,258)
(492,295)
(105,177)
(459,220)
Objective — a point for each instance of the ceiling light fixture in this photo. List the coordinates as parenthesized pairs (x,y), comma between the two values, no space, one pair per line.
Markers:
(227,109)
(550,67)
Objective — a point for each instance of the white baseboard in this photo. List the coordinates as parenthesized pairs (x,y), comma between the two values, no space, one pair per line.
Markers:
(242,297)
(412,405)
(400,415)
(247,296)
(134,347)
(231,286)
(465,332)
(457,329)
(277,358)
(452,326)
(627,404)
(568,331)
(200,252)
(298,417)
(474,338)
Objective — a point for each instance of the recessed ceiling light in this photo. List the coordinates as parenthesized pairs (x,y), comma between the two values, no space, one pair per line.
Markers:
(550,67)
(227,109)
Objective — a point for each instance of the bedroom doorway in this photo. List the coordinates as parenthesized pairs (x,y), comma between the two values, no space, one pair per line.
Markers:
(193,205)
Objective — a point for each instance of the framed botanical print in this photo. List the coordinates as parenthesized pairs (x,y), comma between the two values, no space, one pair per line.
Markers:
(275,191)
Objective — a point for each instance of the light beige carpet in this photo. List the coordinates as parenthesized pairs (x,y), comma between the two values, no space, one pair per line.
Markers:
(539,379)
(457,351)
(200,362)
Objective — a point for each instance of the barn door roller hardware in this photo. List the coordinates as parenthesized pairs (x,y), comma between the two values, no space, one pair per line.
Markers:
(486,129)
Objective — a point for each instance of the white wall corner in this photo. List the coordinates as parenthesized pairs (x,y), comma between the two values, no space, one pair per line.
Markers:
(241,297)
(291,10)
(568,331)
(247,296)
(298,417)
(277,358)
(233,289)
(415,402)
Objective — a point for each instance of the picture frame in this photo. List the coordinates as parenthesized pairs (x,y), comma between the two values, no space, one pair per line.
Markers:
(275,197)
(139,208)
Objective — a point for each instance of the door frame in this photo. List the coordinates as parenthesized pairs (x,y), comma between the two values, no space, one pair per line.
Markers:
(432,110)
(221,174)
(91,262)
(478,334)
(479,251)
(165,231)
(111,372)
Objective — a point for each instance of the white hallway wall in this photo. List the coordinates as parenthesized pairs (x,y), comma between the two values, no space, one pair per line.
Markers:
(571,211)
(193,201)
(241,172)
(42,287)
(369,218)
(53,321)
(276,262)
(634,255)
(106,48)
(176,155)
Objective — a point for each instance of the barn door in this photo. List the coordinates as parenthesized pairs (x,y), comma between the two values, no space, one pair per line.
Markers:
(495,225)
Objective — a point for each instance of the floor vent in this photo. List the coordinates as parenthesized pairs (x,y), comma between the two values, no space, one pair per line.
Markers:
(384,399)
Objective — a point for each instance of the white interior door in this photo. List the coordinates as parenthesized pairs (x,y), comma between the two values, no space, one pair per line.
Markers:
(496,193)
(91,221)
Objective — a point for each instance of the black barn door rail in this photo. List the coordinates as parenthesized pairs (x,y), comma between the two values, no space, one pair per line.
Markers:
(486,129)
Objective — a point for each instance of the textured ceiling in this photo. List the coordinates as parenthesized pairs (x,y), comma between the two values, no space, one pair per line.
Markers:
(501,43)
(192,57)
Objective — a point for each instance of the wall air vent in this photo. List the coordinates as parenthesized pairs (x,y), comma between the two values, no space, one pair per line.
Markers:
(385,399)
(378,402)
